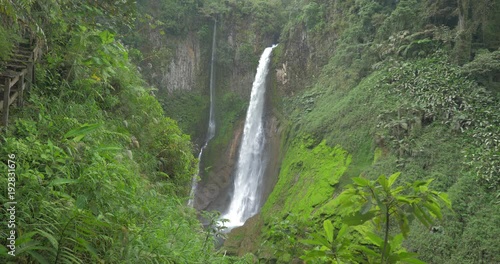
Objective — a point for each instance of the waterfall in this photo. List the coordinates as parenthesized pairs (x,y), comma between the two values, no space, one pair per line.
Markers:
(211,119)
(246,198)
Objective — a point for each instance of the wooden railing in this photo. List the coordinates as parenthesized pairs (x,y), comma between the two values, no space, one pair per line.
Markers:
(17,78)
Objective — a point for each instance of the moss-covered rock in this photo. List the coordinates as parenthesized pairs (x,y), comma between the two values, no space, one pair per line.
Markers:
(244,239)
(309,173)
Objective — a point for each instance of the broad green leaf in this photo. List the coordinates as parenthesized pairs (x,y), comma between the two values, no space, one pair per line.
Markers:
(445,199)
(358,218)
(321,240)
(414,261)
(366,250)
(361,181)
(383,182)
(379,202)
(404,225)
(396,241)
(61,181)
(404,199)
(423,188)
(434,209)
(422,216)
(328,226)
(342,231)
(393,178)
(313,254)
(78,133)
(419,183)
(375,239)
(393,258)
(406,255)
(388,250)
(367,206)
(397,190)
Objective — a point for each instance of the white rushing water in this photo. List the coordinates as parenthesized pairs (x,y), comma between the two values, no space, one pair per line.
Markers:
(246,198)
(211,119)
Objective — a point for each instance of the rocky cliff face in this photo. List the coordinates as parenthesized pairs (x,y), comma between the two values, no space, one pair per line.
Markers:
(217,180)
(172,64)
(182,70)
(296,61)
(214,189)
(238,50)
(180,65)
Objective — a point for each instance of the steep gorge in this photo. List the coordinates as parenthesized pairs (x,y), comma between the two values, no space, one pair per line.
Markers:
(381,119)
(336,110)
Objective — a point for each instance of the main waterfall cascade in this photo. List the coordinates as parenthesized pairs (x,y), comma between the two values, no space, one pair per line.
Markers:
(246,198)
(211,119)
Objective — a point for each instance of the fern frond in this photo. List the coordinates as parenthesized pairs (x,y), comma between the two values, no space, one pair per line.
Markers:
(50,237)
(69,257)
(39,257)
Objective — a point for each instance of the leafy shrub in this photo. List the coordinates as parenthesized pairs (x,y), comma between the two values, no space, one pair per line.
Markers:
(437,91)
(366,207)
(102,172)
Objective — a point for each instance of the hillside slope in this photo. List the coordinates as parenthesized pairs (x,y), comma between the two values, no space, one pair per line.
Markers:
(93,170)
(375,87)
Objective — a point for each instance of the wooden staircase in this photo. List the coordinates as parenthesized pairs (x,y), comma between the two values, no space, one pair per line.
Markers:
(17,78)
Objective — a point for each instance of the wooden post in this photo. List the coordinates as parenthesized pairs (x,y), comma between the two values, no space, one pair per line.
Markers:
(31,68)
(33,71)
(20,90)
(6,99)
(29,76)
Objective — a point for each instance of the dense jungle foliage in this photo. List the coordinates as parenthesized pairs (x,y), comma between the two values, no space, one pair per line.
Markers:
(364,89)
(404,86)
(101,172)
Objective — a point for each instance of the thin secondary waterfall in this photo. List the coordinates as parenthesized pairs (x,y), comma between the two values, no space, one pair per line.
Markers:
(211,118)
(245,201)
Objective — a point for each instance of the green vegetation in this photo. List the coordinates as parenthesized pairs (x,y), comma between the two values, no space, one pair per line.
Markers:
(435,91)
(188,110)
(369,206)
(365,88)
(101,174)
(309,170)
(229,110)
(390,93)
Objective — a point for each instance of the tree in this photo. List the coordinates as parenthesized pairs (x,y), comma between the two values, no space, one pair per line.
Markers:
(370,207)
(214,8)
